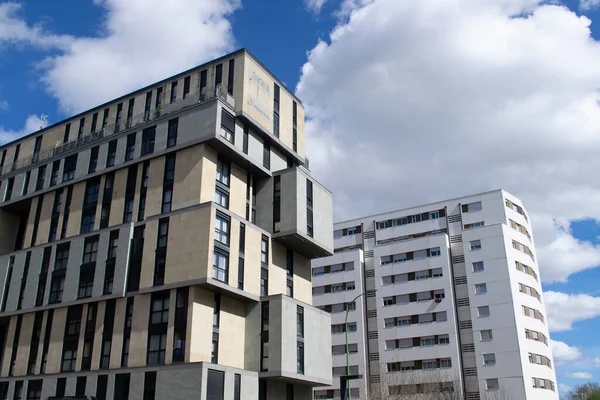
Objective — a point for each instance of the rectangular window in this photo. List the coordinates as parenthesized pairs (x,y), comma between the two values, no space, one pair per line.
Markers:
(486,335)
(203,82)
(309,223)
(230,72)
(92,190)
(478,266)
(300,357)
(163,232)
(69,359)
(109,276)
(218,75)
(81,126)
(222,197)
(267,155)
(149,385)
(167,201)
(160,311)
(130,147)
(214,355)
(128,211)
(475,244)
(276,110)
(173,92)
(172,132)
(69,168)
(220,265)
(157,347)
(159,269)
(241,273)
(227,125)
(215,385)
(294,126)
(62,256)
(483,311)
(90,250)
(93,159)
(94,123)
(480,288)
(148,140)
(223,171)
(186,86)
(309,193)
(111,154)
(222,229)
(105,118)
(87,221)
(245,138)
(39,185)
(130,106)
(118,116)
(489,359)
(55,173)
(299,321)
(66,133)
(237,384)
(9,189)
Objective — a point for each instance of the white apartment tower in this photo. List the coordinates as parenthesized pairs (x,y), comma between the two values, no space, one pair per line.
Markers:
(452,303)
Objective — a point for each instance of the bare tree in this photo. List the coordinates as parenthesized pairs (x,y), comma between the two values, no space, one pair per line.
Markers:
(587,391)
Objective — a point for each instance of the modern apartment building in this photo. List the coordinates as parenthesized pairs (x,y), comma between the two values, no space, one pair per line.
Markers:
(452,303)
(158,246)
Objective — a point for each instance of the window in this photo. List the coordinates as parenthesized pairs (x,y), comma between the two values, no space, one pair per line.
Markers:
(69,168)
(220,265)
(223,172)
(130,147)
(109,275)
(489,359)
(167,200)
(163,232)
(443,339)
(90,250)
(222,197)
(300,357)
(237,384)
(214,355)
(480,288)
(170,168)
(445,363)
(91,191)
(483,311)
(227,125)
(222,229)
(9,189)
(486,335)
(300,321)
(111,154)
(81,126)
(159,269)
(34,390)
(128,211)
(93,159)
(492,384)
(429,364)
(87,221)
(267,155)
(215,385)
(172,132)
(160,311)
(276,110)
(475,244)
(173,92)
(309,223)
(478,266)
(434,215)
(148,139)
(427,341)
(39,185)
(471,207)
(118,116)
(55,171)
(435,252)
(86,283)
(474,225)
(26,183)
(62,256)
(186,86)
(157,347)
(69,360)
(241,273)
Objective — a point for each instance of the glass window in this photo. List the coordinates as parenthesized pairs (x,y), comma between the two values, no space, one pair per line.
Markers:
(486,335)
(90,250)
(489,359)
(435,252)
(220,265)
(478,266)
(475,244)
(483,311)
(160,311)
(223,172)
(222,198)
(480,288)
(156,349)
(222,229)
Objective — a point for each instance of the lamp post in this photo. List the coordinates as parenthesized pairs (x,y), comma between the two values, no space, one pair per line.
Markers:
(348,396)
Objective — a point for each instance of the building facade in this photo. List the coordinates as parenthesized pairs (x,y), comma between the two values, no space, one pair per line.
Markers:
(158,246)
(452,303)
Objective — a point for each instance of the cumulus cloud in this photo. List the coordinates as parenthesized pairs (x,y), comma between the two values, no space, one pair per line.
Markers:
(566,309)
(562,352)
(140,42)
(579,375)
(425,100)
(32,123)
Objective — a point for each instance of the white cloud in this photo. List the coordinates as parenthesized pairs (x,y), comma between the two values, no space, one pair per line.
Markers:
(425,100)
(14,30)
(315,5)
(563,388)
(566,309)
(562,352)
(596,361)
(141,42)
(579,375)
(32,123)
(588,4)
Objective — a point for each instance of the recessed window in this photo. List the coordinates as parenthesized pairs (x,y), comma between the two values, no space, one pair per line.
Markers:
(93,159)
(483,311)
(222,229)
(148,140)
(220,265)
(130,147)
(471,207)
(492,384)
(489,359)
(475,244)
(172,132)
(222,197)
(160,311)
(69,168)
(157,347)
(223,171)
(90,250)
(227,125)
(436,252)
(480,288)
(478,266)
(486,335)
(111,154)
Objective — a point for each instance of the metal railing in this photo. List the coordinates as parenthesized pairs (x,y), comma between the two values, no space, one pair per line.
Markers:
(192,98)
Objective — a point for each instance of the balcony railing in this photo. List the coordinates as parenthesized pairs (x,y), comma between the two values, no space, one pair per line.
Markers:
(193,98)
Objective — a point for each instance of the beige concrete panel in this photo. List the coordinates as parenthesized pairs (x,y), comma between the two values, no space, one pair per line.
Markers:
(302,279)
(232,328)
(188,177)
(156,172)
(189,246)
(97,346)
(10,154)
(24,344)
(300,128)
(116,348)
(237,190)
(252,261)
(139,331)
(26,149)
(44,224)
(147,271)
(209,175)
(277,269)
(171,326)
(79,360)
(10,337)
(138,106)
(9,225)
(285,118)
(118,198)
(52,138)
(238,81)
(57,333)
(74,223)
(199,335)
(30,221)
(258,95)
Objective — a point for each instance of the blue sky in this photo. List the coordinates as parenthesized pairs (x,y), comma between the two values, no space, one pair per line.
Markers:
(456,84)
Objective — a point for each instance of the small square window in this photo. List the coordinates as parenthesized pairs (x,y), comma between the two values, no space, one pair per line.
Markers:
(478,266)
(483,311)
(489,359)
(480,288)
(475,244)
(486,335)
(492,384)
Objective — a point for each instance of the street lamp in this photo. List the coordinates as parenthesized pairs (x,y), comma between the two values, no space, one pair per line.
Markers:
(347,353)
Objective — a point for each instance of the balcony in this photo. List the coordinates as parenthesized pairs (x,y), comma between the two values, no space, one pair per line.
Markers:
(191,99)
